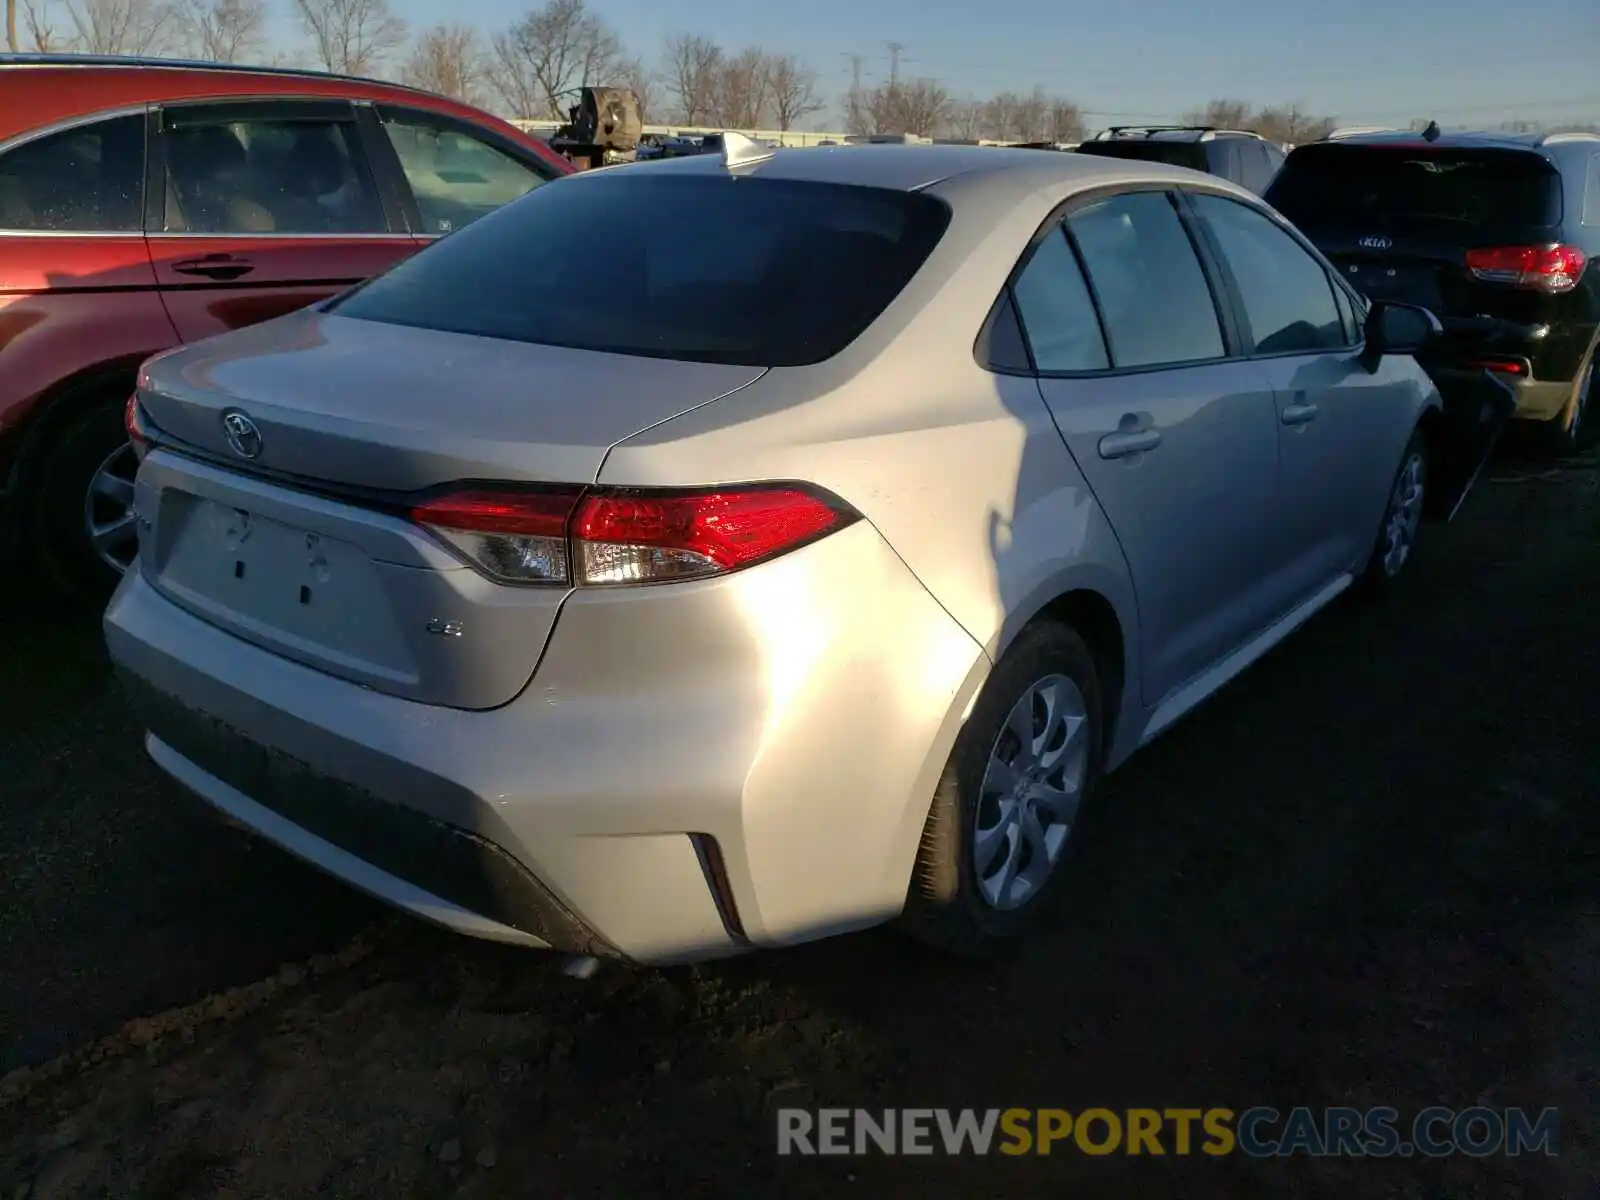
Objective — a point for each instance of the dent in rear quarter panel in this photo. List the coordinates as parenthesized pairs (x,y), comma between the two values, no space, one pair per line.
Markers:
(68,305)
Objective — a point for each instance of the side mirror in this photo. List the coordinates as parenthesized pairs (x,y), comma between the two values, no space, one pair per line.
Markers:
(1394,328)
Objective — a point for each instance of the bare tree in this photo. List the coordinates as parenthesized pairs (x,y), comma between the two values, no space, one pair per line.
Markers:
(743,90)
(121,26)
(223,30)
(351,37)
(965,119)
(41,30)
(693,71)
(1290,123)
(553,51)
(1065,121)
(919,106)
(635,75)
(792,87)
(1221,114)
(447,59)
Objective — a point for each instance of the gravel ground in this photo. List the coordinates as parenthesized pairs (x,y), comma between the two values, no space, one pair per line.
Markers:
(1366,874)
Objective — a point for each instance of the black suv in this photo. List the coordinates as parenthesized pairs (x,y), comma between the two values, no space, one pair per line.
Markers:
(1247,159)
(1500,228)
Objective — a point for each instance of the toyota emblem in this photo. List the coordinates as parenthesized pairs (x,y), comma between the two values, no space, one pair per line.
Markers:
(244,439)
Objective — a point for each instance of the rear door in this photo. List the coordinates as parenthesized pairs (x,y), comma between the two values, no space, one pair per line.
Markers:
(447,172)
(258,208)
(1177,439)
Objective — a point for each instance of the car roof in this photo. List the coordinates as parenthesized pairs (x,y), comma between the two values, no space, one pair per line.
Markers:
(1464,140)
(38,90)
(912,168)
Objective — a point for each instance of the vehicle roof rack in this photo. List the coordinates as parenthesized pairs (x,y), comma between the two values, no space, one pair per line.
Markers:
(1567,135)
(1201,132)
(1345,131)
(54,59)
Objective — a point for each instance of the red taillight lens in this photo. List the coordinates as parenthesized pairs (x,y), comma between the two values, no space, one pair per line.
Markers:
(133,425)
(633,536)
(515,536)
(1548,268)
(643,538)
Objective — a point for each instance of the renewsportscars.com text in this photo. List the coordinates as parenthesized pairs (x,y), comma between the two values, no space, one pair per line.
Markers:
(1258,1132)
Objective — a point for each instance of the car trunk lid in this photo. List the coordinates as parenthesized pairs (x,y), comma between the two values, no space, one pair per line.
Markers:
(305,547)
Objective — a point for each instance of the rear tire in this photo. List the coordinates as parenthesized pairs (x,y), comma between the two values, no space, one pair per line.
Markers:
(1008,803)
(1396,542)
(90,448)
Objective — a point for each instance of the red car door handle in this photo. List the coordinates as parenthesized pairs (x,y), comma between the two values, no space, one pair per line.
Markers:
(215,266)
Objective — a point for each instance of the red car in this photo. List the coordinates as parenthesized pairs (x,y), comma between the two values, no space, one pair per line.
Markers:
(148,203)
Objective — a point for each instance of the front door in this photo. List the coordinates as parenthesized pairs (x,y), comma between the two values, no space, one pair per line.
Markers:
(260,208)
(1341,429)
(1177,439)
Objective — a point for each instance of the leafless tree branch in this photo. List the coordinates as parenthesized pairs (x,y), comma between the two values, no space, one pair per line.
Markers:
(447,59)
(350,37)
(223,30)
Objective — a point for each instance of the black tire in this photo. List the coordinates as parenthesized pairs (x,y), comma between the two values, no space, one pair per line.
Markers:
(945,906)
(1379,576)
(57,534)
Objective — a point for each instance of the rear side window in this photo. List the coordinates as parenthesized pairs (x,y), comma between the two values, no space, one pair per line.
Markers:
(706,268)
(1286,295)
(1591,193)
(89,179)
(455,177)
(1177,154)
(267,176)
(1484,195)
(1152,291)
(1057,313)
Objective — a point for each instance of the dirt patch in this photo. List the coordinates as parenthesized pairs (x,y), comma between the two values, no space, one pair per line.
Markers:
(1364,875)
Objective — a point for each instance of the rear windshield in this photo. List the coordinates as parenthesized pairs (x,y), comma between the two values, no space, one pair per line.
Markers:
(707,268)
(1413,187)
(1177,154)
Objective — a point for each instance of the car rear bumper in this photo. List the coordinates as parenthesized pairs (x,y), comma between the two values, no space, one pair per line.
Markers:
(693,770)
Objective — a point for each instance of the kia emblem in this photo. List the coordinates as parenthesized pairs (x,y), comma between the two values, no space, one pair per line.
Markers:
(1375,243)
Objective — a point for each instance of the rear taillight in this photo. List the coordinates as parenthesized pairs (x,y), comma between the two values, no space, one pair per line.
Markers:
(566,536)
(133,424)
(1547,268)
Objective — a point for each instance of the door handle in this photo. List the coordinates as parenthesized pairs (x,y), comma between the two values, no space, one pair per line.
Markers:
(1124,443)
(1299,411)
(215,266)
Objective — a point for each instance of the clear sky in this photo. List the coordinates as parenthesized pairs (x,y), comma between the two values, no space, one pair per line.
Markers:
(1461,62)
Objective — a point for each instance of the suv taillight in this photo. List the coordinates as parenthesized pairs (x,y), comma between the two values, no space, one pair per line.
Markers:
(634,535)
(1547,268)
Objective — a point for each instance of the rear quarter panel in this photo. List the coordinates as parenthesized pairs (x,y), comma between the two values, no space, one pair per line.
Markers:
(962,471)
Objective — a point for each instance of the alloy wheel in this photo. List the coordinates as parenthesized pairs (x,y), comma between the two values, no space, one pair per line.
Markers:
(108,513)
(1032,786)
(1405,515)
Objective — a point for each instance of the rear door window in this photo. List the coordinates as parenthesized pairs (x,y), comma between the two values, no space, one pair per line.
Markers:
(455,176)
(701,267)
(1178,154)
(1158,307)
(1285,293)
(88,179)
(229,172)
(1481,194)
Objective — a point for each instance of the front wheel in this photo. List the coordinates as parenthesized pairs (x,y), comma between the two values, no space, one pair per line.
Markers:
(998,832)
(1402,521)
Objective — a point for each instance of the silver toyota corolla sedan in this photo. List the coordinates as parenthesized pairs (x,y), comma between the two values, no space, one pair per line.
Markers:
(735,551)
